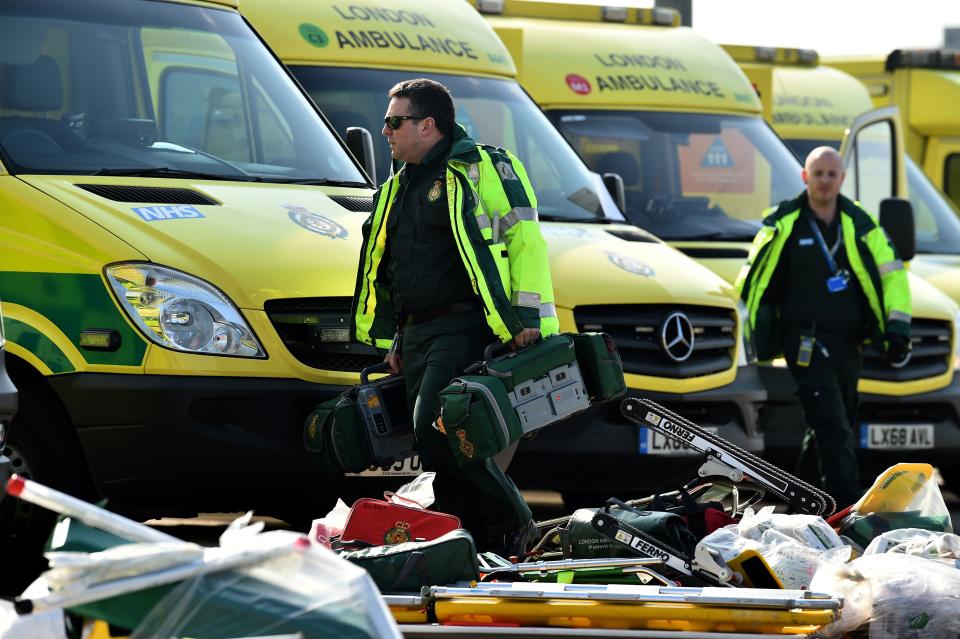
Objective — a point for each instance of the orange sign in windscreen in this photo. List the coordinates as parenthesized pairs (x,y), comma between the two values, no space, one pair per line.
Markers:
(721,163)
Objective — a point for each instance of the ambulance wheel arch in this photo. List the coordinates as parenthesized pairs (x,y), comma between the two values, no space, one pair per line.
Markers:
(42,445)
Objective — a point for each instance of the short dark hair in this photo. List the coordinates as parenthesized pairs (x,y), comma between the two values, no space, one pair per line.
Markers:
(428,99)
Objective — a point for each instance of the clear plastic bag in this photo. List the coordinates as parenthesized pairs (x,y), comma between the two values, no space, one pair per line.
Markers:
(897,596)
(808,530)
(792,546)
(914,541)
(313,592)
(903,496)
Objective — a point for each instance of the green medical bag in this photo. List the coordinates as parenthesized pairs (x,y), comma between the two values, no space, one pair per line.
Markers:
(409,566)
(600,366)
(580,540)
(477,417)
(335,436)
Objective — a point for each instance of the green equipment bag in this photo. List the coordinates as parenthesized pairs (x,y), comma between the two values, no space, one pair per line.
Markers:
(477,417)
(410,566)
(600,366)
(503,398)
(580,540)
(335,437)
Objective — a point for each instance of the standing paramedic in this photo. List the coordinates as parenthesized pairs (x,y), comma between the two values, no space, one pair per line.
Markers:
(452,260)
(821,278)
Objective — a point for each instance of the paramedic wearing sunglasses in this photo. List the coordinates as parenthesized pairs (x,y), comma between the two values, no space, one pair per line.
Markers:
(821,277)
(452,260)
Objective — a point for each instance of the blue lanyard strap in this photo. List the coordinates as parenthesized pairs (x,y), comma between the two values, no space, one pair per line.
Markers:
(827,253)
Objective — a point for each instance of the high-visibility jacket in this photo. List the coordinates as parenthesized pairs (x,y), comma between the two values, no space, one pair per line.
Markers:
(873,260)
(493,217)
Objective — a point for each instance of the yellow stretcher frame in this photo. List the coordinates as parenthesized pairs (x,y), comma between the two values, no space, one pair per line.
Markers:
(629,615)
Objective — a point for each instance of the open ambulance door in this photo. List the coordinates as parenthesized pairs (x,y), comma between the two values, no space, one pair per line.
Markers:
(873,157)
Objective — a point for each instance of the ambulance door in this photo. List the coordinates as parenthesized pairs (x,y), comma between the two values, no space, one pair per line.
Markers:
(873,155)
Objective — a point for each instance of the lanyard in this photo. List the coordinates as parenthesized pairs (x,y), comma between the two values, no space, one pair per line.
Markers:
(827,253)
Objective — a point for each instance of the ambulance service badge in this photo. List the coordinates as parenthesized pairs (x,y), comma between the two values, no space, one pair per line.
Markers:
(435,191)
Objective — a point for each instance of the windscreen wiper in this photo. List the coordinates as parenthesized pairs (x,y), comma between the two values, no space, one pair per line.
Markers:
(166,172)
(317,182)
(546,217)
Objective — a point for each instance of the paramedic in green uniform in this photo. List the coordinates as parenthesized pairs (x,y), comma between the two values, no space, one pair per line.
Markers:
(452,260)
(822,276)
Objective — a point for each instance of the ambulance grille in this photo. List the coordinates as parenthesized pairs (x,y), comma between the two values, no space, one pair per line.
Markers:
(148,194)
(931,354)
(638,331)
(308,325)
(354,203)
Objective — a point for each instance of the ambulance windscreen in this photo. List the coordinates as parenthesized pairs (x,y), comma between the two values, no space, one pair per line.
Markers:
(492,111)
(687,176)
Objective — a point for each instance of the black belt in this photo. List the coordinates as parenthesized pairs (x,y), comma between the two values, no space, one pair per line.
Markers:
(425,316)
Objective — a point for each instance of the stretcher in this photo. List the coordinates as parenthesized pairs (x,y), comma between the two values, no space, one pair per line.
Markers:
(536,606)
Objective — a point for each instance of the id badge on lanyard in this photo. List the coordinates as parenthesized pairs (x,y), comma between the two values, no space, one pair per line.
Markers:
(837,282)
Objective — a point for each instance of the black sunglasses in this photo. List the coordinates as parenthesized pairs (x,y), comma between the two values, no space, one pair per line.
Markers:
(394,122)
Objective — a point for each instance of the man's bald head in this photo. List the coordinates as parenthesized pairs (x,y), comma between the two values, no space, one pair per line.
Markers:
(823,152)
(823,174)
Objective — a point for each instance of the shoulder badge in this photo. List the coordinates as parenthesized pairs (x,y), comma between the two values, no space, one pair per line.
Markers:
(435,191)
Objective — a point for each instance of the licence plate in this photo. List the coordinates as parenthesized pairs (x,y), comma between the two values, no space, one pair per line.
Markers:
(654,443)
(900,436)
(409,467)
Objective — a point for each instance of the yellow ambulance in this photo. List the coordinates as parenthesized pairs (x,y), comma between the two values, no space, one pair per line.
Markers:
(178,248)
(673,115)
(810,105)
(608,276)
(925,85)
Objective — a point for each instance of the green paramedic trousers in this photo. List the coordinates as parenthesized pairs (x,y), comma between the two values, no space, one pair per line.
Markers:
(828,395)
(481,495)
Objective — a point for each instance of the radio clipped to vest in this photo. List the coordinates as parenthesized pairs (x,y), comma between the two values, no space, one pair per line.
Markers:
(512,394)
(368,425)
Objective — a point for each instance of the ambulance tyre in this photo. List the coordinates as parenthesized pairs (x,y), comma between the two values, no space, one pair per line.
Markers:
(42,446)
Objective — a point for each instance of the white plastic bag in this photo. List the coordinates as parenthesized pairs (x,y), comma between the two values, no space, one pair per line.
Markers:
(900,597)
(417,493)
(915,541)
(809,530)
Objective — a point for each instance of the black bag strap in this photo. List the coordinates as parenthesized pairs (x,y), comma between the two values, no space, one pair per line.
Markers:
(415,561)
(684,500)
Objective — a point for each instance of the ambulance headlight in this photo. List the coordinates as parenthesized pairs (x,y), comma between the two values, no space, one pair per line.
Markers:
(747,353)
(181,312)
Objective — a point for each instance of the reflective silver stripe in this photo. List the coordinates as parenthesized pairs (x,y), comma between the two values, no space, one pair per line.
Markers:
(495,234)
(548,309)
(899,315)
(889,267)
(525,299)
(483,221)
(518,214)
(473,172)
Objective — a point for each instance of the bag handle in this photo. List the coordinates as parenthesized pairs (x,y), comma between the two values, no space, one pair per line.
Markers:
(382,367)
(687,502)
(497,349)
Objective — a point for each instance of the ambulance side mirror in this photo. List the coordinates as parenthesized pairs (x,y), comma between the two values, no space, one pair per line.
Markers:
(896,218)
(360,143)
(618,192)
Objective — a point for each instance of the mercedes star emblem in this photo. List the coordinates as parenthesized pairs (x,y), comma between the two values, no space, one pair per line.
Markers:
(676,337)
